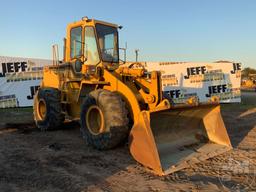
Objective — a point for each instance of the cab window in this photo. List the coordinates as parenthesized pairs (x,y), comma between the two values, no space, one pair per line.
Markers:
(76,42)
(108,41)
(90,47)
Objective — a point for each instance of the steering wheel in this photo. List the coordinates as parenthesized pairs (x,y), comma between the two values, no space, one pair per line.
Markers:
(106,50)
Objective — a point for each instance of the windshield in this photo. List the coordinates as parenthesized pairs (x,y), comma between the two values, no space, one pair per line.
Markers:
(108,40)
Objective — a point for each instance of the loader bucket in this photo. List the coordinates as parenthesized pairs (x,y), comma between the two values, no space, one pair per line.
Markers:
(168,141)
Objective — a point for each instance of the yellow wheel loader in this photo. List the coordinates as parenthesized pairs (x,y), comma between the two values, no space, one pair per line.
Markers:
(113,102)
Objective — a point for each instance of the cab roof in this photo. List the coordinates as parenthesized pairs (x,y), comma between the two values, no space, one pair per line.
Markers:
(90,22)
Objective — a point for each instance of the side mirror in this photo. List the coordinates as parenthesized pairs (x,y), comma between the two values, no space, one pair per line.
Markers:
(78,65)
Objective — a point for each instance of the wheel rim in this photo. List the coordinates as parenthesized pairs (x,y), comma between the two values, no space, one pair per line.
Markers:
(95,120)
(41,109)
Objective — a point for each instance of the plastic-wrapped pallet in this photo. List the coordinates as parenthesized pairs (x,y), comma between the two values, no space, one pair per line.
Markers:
(182,80)
(19,80)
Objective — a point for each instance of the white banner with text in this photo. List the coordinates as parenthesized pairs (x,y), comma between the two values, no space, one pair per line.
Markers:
(20,78)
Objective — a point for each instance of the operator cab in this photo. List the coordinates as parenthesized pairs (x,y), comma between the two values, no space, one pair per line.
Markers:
(91,43)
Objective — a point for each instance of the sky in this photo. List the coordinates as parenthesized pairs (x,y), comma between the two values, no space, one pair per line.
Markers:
(162,30)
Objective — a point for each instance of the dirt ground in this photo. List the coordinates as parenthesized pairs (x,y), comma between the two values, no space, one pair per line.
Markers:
(31,160)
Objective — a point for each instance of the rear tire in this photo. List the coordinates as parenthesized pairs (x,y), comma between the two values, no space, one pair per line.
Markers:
(47,109)
(104,121)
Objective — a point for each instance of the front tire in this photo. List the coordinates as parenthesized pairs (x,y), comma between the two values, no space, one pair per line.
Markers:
(47,109)
(104,121)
